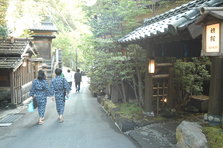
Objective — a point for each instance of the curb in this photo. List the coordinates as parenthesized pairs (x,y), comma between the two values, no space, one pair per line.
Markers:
(116,124)
(17,110)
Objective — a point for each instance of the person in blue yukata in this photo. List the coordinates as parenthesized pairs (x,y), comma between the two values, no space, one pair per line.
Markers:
(40,90)
(60,88)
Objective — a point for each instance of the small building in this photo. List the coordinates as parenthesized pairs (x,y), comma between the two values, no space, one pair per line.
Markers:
(171,34)
(43,33)
(17,69)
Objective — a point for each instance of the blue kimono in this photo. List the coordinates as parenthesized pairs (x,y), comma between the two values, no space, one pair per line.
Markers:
(58,86)
(40,90)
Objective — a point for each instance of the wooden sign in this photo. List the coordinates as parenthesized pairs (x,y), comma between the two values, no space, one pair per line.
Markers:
(212,38)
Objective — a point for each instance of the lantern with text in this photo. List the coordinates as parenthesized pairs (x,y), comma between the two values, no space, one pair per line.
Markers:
(212,42)
(151,66)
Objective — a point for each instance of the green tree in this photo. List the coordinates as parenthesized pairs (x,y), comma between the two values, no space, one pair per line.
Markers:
(3,9)
(109,20)
(189,77)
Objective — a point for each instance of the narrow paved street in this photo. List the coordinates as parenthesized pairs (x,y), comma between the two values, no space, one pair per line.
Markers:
(85,126)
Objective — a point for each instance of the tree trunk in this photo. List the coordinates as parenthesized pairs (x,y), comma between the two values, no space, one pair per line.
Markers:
(140,90)
(134,88)
(123,92)
(115,93)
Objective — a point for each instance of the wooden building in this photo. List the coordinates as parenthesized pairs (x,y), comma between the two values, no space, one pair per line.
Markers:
(171,34)
(43,34)
(17,69)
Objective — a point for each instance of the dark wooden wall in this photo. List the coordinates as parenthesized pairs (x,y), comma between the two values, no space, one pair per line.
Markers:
(19,78)
(43,46)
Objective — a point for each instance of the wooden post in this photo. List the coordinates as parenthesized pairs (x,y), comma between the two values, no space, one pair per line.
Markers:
(12,86)
(216,87)
(171,90)
(148,93)
(157,99)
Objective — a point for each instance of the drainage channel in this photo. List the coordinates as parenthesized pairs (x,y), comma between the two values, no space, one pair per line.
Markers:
(10,119)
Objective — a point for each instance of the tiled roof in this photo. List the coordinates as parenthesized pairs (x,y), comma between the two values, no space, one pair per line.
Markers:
(16,47)
(13,50)
(10,62)
(44,26)
(169,22)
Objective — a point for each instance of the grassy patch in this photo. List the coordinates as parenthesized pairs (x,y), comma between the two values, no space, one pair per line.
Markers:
(130,110)
(108,105)
(214,136)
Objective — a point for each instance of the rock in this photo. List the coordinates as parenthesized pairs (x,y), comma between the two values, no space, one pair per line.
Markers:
(206,117)
(99,99)
(189,135)
(125,124)
(217,119)
(210,118)
(214,119)
(149,114)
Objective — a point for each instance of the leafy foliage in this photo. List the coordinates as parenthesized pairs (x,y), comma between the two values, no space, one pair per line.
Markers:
(3,8)
(190,76)
(110,20)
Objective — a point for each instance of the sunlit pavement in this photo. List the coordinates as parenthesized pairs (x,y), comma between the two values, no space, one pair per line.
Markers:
(85,126)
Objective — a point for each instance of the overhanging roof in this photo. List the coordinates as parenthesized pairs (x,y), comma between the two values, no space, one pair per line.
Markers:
(44,26)
(13,51)
(170,22)
(10,62)
(15,47)
(216,12)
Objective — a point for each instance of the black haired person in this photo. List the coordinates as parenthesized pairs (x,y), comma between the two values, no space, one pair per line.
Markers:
(77,80)
(59,88)
(40,90)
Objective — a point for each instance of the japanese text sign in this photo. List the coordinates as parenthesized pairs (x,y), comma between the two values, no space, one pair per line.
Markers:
(212,38)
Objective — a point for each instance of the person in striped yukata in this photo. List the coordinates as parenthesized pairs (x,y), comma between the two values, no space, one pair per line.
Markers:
(59,88)
(40,90)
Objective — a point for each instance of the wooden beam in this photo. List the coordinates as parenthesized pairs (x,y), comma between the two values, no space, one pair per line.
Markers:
(164,64)
(160,76)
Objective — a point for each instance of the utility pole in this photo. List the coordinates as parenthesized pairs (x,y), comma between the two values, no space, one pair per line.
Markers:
(76,58)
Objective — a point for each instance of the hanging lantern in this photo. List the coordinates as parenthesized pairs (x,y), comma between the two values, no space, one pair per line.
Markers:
(151,66)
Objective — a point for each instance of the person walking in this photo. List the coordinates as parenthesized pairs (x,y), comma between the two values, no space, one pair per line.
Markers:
(68,77)
(77,80)
(40,91)
(60,88)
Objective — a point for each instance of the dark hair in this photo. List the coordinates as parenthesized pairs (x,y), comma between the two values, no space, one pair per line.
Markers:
(68,70)
(78,70)
(58,71)
(41,75)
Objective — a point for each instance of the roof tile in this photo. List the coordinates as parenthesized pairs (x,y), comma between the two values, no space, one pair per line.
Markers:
(170,21)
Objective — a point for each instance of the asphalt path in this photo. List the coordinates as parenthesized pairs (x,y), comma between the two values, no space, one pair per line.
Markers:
(85,126)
